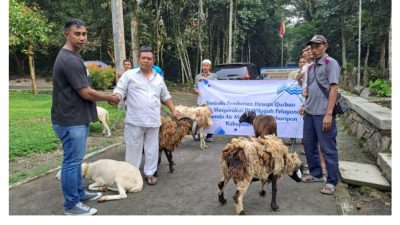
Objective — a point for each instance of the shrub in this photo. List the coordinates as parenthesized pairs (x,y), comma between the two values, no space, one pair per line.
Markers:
(381,88)
(102,78)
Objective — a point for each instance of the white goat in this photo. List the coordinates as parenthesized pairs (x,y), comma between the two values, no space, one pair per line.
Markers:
(103,117)
(106,172)
(201,117)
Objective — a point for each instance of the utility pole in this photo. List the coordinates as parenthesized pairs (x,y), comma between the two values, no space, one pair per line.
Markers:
(359,46)
(118,34)
(390,50)
(230,32)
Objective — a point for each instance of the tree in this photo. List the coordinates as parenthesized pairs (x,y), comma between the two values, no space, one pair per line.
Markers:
(28,30)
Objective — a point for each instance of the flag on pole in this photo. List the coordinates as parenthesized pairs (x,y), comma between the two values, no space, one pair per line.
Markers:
(282,29)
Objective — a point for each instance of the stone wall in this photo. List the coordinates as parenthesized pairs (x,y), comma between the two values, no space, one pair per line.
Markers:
(370,123)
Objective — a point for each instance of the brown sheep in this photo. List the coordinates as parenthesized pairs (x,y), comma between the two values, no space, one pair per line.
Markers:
(170,136)
(262,124)
(250,159)
(201,117)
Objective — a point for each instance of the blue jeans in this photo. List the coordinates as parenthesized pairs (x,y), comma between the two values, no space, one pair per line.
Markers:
(314,135)
(73,139)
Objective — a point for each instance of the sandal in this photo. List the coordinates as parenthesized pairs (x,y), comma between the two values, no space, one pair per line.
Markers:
(311,179)
(151,180)
(327,190)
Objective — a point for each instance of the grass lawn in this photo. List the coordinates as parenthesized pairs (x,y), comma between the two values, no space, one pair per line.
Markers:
(30,129)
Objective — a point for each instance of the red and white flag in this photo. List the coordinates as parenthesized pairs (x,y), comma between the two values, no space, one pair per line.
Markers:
(282,29)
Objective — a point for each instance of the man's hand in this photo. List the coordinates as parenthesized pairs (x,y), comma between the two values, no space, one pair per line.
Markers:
(304,93)
(114,99)
(327,122)
(196,92)
(175,114)
(301,111)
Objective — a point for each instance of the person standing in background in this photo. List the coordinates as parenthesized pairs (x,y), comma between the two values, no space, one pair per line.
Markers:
(205,74)
(293,75)
(319,120)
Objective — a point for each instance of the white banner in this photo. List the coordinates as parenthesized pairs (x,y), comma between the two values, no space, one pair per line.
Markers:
(229,99)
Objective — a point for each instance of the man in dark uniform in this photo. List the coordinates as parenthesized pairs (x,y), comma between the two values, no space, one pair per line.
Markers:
(72,110)
(319,120)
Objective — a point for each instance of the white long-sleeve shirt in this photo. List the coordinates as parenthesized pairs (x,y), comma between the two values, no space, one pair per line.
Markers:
(143,97)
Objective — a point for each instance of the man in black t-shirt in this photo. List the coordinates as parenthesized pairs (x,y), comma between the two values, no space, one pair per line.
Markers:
(72,110)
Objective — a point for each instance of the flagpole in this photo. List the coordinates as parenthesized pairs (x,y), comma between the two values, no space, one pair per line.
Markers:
(282,53)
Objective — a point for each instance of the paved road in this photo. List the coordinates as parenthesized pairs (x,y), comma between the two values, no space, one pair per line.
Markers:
(191,190)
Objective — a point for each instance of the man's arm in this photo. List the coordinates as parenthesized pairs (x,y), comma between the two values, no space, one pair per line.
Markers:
(327,122)
(171,107)
(90,94)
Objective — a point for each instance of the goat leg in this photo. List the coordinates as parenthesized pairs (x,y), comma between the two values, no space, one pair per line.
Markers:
(171,163)
(121,195)
(97,187)
(262,191)
(274,179)
(221,187)
(241,189)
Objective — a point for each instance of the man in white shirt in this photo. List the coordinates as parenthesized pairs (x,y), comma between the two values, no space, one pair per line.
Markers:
(145,90)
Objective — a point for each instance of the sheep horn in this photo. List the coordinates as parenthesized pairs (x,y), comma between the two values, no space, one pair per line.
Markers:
(186,119)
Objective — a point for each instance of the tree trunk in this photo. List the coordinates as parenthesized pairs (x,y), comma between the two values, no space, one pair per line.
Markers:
(382,58)
(390,50)
(200,21)
(119,37)
(158,32)
(20,68)
(135,34)
(230,31)
(366,74)
(344,58)
(32,69)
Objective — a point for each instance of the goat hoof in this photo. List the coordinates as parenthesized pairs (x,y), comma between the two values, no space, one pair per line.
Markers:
(171,170)
(221,199)
(103,189)
(262,193)
(275,208)
(242,213)
(101,200)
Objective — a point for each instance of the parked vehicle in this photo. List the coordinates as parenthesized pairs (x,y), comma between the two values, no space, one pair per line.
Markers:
(237,71)
(97,63)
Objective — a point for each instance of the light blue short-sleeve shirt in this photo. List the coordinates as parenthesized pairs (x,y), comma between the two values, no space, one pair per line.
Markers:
(143,97)
(327,71)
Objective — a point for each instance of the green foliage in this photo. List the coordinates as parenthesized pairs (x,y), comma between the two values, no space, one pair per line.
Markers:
(27,26)
(102,78)
(380,87)
(30,128)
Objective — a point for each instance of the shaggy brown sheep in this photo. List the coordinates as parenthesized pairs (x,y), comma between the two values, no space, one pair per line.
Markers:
(248,159)
(201,117)
(170,136)
(262,124)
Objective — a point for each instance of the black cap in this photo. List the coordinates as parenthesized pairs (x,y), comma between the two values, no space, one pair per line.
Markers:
(319,39)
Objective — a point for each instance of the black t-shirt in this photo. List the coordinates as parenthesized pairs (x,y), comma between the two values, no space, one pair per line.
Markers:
(68,107)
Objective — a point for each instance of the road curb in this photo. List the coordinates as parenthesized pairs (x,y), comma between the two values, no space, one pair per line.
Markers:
(29,179)
(344,203)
